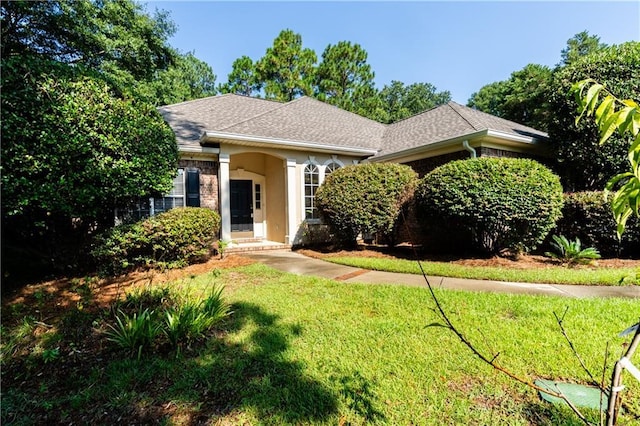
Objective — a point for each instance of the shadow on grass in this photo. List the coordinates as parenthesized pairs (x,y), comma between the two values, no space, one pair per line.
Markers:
(254,375)
(243,376)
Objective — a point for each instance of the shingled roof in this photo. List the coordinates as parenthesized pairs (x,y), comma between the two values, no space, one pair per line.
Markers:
(309,120)
(445,122)
(190,120)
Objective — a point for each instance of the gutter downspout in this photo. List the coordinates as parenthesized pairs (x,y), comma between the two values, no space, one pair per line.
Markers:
(465,145)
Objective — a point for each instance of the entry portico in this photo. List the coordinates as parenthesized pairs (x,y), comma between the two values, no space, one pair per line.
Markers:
(266,190)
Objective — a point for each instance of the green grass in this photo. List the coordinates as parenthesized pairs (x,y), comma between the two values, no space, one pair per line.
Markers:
(549,274)
(304,350)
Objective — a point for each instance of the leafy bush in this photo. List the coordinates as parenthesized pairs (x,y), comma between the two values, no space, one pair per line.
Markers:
(583,163)
(571,252)
(492,203)
(134,332)
(365,198)
(174,238)
(160,312)
(588,216)
(190,319)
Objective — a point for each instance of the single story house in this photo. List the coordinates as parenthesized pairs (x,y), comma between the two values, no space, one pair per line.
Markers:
(259,162)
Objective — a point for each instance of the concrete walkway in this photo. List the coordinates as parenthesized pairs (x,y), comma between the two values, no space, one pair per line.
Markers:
(295,263)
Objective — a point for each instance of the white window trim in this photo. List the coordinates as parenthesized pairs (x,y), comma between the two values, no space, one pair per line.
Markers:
(181,172)
(310,161)
(323,169)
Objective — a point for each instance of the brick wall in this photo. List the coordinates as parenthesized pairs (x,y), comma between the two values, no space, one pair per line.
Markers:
(208,181)
(425,165)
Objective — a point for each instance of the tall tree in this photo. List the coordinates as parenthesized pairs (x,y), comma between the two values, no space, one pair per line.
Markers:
(77,140)
(287,69)
(584,165)
(522,98)
(581,44)
(242,79)
(402,101)
(490,98)
(115,37)
(343,74)
(526,98)
(189,78)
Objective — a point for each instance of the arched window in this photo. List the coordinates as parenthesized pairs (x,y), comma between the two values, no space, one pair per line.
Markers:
(331,167)
(311,183)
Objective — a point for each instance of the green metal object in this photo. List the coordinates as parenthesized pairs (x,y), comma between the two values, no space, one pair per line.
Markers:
(579,395)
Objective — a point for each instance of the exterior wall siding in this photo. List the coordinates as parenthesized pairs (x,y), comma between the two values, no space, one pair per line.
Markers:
(208,181)
(425,165)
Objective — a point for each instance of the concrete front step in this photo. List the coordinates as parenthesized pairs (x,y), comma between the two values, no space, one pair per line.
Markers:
(252,245)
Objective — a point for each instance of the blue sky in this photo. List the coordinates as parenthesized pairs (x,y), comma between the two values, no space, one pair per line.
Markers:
(458,46)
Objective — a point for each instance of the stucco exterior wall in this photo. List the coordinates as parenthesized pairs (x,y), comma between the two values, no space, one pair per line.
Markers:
(275,199)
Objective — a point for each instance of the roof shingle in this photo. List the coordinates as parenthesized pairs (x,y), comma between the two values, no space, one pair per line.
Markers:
(309,120)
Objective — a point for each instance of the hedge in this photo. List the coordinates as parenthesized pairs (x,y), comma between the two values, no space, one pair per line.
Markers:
(365,199)
(174,238)
(490,204)
(587,216)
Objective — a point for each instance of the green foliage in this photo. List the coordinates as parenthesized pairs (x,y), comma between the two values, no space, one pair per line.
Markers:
(190,319)
(72,148)
(134,332)
(522,98)
(584,164)
(115,37)
(497,203)
(188,78)
(571,252)
(72,151)
(611,115)
(580,45)
(366,198)
(287,69)
(179,317)
(587,215)
(400,101)
(344,78)
(242,80)
(221,247)
(175,238)
(185,322)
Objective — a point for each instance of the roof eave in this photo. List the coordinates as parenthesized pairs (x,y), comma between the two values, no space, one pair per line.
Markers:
(515,138)
(263,141)
(485,133)
(428,147)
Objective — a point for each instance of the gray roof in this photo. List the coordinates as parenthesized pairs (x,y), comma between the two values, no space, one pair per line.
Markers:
(309,120)
(189,120)
(444,122)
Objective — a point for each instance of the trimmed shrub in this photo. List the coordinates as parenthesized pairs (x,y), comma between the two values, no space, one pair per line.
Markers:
(177,237)
(365,199)
(490,204)
(587,216)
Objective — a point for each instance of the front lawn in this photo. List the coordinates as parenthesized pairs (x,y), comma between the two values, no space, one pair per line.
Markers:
(304,350)
(622,272)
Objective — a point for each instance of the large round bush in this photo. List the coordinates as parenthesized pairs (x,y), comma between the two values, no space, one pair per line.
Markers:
(174,238)
(588,216)
(365,199)
(493,203)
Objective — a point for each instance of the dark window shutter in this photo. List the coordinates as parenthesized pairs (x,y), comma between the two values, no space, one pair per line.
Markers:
(193,188)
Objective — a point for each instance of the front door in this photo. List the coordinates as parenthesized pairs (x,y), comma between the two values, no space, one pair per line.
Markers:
(241,206)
